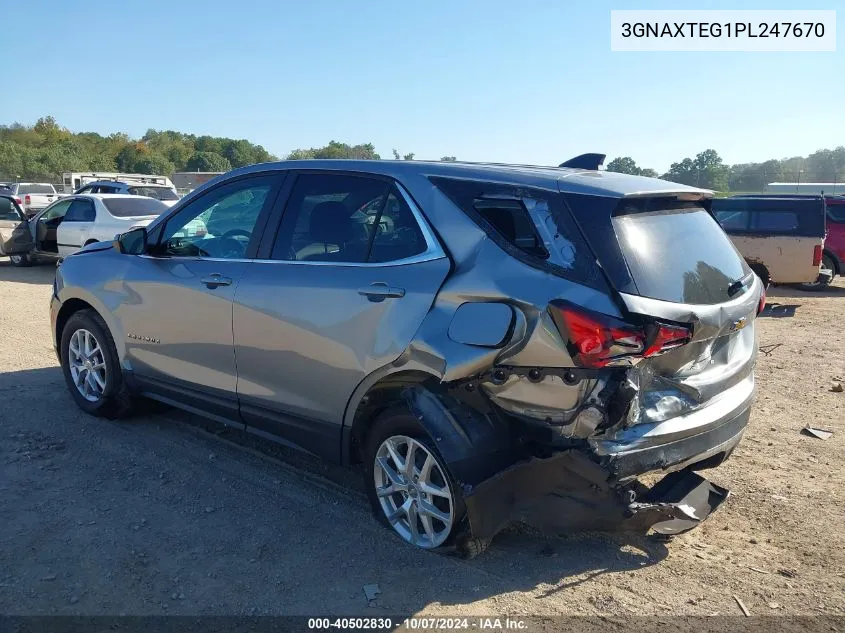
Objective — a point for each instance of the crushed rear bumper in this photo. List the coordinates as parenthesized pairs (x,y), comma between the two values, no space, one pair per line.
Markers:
(575,489)
(569,492)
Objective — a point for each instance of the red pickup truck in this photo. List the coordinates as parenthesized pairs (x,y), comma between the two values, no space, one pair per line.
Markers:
(834,246)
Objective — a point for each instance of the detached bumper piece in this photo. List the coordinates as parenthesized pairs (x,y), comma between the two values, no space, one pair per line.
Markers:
(569,492)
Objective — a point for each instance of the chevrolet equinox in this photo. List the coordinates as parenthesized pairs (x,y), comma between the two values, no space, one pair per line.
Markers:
(495,343)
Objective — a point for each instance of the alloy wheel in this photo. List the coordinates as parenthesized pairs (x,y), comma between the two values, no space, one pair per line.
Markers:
(413,491)
(87,365)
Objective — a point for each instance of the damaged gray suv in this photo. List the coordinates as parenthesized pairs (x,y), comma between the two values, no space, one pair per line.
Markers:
(494,343)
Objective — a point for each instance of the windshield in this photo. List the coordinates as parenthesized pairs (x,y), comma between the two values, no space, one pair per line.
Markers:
(159,193)
(128,207)
(47,189)
(679,255)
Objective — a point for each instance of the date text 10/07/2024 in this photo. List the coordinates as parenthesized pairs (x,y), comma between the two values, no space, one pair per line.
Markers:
(418,624)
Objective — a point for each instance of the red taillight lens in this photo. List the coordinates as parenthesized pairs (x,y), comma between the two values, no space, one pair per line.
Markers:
(667,337)
(597,339)
(18,200)
(761,305)
(817,255)
(27,199)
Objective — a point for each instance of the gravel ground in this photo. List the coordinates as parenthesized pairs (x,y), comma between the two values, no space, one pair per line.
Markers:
(166,514)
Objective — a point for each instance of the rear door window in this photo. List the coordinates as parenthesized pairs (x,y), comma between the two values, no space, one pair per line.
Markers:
(333,218)
(676,251)
(80,211)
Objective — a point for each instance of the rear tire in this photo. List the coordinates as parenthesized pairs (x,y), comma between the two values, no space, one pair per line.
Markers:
(22,260)
(823,282)
(425,507)
(91,367)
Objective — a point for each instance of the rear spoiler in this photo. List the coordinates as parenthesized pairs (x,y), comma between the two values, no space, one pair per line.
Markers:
(585,161)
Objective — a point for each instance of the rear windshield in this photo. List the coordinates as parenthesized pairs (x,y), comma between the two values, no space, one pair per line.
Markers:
(128,207)
(159,193)
(24,189)
(679,255)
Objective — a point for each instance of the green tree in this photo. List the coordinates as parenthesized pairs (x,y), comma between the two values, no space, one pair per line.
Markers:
(153,163)
(627,165)
(207,161)
(335,149)
(448,159)
(706,170)
(624,165)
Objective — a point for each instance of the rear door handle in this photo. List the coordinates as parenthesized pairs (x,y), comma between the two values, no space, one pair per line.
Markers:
(380,291)
(216,279)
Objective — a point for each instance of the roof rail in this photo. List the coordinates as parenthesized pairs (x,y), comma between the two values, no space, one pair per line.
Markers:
(585,161)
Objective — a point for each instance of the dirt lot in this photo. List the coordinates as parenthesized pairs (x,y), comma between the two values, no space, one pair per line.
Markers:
(158,515)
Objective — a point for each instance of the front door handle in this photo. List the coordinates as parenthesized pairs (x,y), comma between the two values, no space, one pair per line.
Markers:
(216,279)
(380,291)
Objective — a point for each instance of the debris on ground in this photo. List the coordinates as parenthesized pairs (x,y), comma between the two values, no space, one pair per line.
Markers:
(836,387)
(742,606)
(821,434)
(371,592)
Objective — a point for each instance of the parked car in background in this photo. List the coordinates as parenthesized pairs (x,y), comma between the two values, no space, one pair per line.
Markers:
(75,180)
(494,342)
(781,237)
(834,246)
(76,221)
(165,194)
(33,196)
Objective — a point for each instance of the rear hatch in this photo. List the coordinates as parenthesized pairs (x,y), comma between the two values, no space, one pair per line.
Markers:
(682,282)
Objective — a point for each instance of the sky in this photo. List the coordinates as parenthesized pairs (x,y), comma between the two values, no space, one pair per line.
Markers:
(532,81)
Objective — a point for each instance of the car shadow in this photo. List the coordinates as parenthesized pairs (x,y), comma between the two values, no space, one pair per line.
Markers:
(40,274)
(779,310)
(267,520)
(836,289)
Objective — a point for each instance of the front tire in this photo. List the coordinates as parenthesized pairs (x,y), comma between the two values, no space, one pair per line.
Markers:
(91,367)
(21,260)
(408,483)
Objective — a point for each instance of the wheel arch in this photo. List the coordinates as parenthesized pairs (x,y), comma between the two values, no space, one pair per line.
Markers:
(470,436)
(837,263)
(761,270)
(73,304)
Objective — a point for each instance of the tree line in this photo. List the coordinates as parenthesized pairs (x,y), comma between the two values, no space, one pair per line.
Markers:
(707,170)
(45,150)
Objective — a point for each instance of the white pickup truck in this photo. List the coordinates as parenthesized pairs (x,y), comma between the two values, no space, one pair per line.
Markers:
(33,196)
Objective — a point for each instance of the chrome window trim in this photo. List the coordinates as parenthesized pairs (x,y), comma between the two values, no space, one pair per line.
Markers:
(432,252)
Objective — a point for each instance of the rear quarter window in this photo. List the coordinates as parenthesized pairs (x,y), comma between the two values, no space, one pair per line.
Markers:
(532,225)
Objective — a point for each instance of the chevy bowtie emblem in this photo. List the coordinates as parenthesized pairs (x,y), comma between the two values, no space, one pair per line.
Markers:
(738,325)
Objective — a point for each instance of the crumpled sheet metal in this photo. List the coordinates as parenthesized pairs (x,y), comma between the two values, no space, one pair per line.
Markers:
(569,492)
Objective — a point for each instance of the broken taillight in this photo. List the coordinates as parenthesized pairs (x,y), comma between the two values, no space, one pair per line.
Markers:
(817,255)
(597,340)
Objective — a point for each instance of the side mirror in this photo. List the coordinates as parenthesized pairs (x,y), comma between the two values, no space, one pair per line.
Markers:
(132,242)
